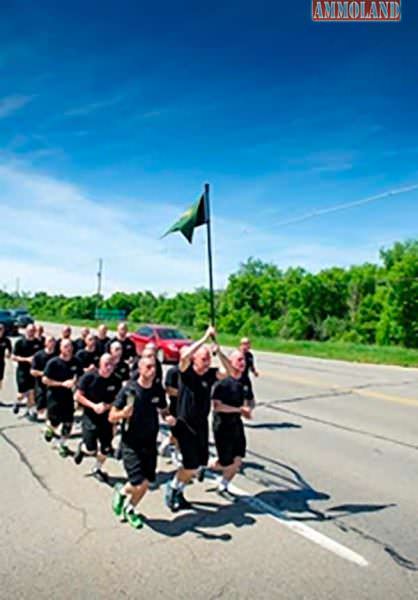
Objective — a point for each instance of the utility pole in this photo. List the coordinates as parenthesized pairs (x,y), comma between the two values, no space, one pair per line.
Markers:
(99,277)
(17,286)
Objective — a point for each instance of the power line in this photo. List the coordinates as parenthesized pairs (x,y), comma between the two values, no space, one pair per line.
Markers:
(337,207)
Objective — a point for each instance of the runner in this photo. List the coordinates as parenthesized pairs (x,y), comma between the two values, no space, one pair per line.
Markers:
(149,351)
(89,356)
(39,362)
(80,342)
(102,339)
(170,444)
(24,350)
(65,335)
(128,347)
(96,391)
(60,377)
(39,334)
(120,367)
(244,347)
(229,403)
(196,381)
(138,403)
(5,351)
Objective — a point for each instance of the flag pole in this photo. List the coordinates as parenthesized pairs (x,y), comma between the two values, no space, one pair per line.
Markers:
(211,292)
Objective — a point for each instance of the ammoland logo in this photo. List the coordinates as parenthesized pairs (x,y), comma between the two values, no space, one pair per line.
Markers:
(356,10)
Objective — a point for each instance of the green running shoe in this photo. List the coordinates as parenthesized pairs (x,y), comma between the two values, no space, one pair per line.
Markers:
(118,500)
(48,435)
(63,451)
(134,520)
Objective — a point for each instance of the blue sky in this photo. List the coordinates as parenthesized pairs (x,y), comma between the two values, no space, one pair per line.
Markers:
(114,114)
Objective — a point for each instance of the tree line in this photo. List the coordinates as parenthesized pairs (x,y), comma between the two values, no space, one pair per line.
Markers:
(368,303)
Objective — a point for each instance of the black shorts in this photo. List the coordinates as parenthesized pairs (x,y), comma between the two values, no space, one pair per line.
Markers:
(140,463)
(2,364)
(25,381)
(60,412)
(100,431)
(229,440)
(194,444)
(40,396)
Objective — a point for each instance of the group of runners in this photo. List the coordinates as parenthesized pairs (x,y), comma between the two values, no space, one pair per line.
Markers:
(119,391)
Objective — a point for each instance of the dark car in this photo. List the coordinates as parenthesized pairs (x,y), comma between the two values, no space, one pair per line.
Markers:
(7,319)
(21,317)
(168,341)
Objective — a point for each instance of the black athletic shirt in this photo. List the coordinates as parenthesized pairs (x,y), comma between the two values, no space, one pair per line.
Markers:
(193,404)
(98,389)
(87,358)
(26,348)
(142,428)
(121,370)
(79,344)
(39,362)
(59,369)
(229,391)
(172,380)
(103,344)
(5,345)
(249,362)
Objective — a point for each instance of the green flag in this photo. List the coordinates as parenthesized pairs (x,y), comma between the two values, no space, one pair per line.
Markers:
(189,220)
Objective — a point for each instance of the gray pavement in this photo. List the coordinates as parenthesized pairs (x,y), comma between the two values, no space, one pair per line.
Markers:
(329,510)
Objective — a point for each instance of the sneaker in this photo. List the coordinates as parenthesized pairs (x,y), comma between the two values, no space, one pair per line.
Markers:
(223,492)
(79,455)
(101,475)
(48,435)
(118,500)
(32,417)
(200,476)
(16,408)
(134,520)
(63,451)
(181,502)
(170,497)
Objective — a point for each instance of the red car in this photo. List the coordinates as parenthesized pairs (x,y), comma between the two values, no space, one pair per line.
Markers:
(167,339)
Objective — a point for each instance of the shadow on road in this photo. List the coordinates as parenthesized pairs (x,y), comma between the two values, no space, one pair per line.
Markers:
(272,426)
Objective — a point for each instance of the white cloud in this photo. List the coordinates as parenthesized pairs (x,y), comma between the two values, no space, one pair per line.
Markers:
(10,104)
(53,234)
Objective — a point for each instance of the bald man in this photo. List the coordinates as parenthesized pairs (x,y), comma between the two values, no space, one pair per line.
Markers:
(24,350)
(128,347)
(102,339)
(96,392)
(230,403)
(80,342)
(196,378)
(138,404)
(60,377)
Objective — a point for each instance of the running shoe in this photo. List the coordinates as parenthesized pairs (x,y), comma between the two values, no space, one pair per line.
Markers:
(79,454)
(134,520)
(63,451)
(118,500)
(48,435)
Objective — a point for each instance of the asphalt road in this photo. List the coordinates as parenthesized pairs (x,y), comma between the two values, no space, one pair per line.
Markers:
(328,502)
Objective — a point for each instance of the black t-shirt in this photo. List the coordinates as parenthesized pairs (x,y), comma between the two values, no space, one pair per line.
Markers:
(103,344)
(122,371)
(142,428)
(172,381)
(249,362)
(42,340)
(87,358)
(26,348)
(59,369)
(229,391)
(79,344)
(5,345)
(98,389)
(193,404)
(39,362)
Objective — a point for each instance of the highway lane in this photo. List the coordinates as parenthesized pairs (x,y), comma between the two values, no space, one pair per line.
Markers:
(330,508)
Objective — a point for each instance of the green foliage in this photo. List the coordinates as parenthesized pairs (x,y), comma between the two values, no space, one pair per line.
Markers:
(365,304)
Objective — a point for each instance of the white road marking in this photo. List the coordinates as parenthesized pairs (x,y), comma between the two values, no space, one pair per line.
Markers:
(300,528)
